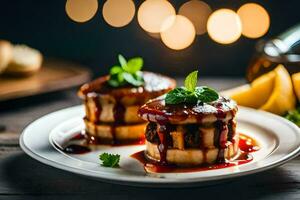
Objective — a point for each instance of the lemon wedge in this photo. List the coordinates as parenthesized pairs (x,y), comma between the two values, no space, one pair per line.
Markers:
(296,83)
(282,98)
(253,95)
(272,92)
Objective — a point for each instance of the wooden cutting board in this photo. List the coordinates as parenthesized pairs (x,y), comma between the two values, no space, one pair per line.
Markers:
(54,75)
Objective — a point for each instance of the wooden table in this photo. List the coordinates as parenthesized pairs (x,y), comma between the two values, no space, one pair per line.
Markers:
(21,177)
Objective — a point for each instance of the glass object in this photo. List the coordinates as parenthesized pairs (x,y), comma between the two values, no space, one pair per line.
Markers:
(283,49)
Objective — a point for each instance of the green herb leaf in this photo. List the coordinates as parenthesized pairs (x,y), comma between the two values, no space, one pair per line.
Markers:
(131,79)
(128,73)
(206,94)
(191,80)
(109,160)
(115,70)
(175,96)
(116,80)
(122,61)
(180,95)
(134,65)
(294,116)
(113,83)
(191,94)
(138,76)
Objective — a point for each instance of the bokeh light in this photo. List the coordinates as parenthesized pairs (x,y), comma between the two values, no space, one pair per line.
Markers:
(198,12)
(81,10)
(255,20)
(118,13)
(152,13)
(154,35)
(224,26)
(180,34)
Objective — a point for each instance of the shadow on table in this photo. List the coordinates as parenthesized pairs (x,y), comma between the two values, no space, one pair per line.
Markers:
(28,177)
(36,100)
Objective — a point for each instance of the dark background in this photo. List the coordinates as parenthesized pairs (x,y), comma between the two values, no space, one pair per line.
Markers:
(43,24)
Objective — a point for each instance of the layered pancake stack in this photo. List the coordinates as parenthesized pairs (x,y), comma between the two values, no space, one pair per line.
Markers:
(111,112)
(190,126)
(190,134)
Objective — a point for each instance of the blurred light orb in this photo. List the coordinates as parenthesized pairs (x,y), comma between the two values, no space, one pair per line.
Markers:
(197,12)
(255,20)
(118,13)
(180,34)
(81,10)
(224,26)
(152,13)
(154,35)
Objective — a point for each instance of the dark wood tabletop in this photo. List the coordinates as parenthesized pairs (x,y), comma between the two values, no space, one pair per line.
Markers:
(22,177)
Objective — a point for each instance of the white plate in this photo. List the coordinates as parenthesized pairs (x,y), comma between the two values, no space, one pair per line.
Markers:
(279,140)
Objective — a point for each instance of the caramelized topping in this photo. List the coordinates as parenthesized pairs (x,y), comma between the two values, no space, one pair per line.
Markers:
(156,110)
(155,85)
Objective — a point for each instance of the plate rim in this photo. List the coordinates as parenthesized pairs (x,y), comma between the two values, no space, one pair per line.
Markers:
(162,182)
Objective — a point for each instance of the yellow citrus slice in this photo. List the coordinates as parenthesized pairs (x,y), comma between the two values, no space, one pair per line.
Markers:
(253,95)
(282,98)
(296,83)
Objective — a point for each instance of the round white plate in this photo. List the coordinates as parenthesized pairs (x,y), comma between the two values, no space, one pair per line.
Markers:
(278,138)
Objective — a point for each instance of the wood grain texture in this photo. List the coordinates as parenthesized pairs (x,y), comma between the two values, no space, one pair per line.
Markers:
(54,75)
(21,177)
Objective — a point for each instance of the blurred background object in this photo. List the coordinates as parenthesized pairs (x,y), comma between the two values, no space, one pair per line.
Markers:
(224,26)
(96,35)
(118,13)
(255,20)
(282,49)
(81,11)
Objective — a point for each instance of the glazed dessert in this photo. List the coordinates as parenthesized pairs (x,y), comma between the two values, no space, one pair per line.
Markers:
(190,126)
(112,102)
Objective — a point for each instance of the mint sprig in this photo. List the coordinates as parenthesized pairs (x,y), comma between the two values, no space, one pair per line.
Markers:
(127,72)
(190,81)
(190,93)
(294,116)
(205,94)
(109,160)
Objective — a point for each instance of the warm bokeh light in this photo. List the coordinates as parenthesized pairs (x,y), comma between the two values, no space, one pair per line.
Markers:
(224,26)
(180,34)
(198,12)
(81,10)
(118,13)
(152,13)
(154,35)
(255,20)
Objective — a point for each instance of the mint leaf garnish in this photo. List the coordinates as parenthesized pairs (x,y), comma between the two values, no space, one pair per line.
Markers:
(131,79)
(180,95)
(191,80)
(109,160)
(190,94)
(122,61)
(113,83)
(206,94)
(294,116)
(115,69)
(134,65)
(127,73)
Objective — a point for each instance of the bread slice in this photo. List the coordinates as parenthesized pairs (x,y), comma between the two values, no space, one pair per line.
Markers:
(6,54)
(25,61)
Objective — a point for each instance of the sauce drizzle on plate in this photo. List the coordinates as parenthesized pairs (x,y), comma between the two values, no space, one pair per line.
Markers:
(247,145)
